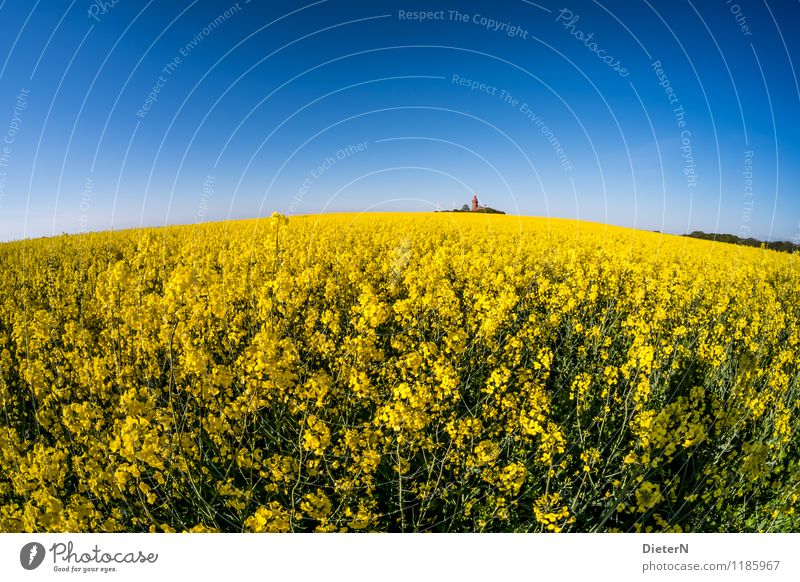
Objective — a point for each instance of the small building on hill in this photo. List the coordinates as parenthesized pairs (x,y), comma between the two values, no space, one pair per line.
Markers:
(475,207)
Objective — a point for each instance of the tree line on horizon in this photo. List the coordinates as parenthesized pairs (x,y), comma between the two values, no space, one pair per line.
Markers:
(782,246)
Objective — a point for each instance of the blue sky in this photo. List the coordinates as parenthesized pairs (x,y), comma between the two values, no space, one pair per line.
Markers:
(662,115)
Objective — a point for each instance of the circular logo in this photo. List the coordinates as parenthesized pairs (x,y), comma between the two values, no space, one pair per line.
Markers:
(31,555)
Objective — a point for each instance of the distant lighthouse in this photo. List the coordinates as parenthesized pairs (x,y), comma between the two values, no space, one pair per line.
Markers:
(475,203)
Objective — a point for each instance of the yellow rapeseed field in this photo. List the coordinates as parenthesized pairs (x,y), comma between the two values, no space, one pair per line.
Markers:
(397,372)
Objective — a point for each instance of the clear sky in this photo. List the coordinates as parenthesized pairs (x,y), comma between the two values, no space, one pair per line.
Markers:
(669,115)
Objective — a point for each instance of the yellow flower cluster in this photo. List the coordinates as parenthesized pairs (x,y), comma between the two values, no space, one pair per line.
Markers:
(397,372)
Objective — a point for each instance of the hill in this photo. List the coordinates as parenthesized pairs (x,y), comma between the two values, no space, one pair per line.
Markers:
(483,209)
(397,372)
(782,246)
